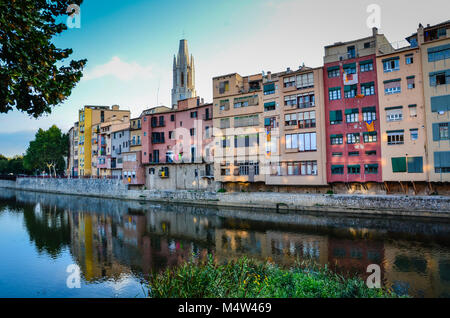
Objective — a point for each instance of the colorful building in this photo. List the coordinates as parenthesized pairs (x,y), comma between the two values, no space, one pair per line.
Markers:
(434,44)
(92,116)
(297,153)
(402,117)
(238,128)
(352,110)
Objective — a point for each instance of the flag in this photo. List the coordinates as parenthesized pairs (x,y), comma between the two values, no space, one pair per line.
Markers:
(350,79)
(370,125)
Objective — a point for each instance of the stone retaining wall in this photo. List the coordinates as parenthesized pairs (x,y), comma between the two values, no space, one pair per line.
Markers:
(430,206)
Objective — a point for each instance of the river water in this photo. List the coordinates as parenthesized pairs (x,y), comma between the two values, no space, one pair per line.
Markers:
(115,244)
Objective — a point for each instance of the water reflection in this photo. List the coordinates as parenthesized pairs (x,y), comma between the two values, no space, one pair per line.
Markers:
(110,238)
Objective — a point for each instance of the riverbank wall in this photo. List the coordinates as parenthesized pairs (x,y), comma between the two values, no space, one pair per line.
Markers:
(399,205)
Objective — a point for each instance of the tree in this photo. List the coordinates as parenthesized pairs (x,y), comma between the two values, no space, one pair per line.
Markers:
(47,150)
(12,165)
(30,78)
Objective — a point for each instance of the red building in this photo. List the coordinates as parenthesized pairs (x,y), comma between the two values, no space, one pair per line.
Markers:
(351,110)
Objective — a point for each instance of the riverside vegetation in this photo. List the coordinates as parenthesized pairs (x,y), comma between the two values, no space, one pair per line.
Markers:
(246,278)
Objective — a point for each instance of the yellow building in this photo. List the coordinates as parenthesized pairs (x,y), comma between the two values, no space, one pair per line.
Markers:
(434,43)
(135,135)
(89,117)
(402,116)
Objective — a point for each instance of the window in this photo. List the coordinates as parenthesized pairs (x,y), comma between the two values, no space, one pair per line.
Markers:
(246,140)
(305,80)
(307,119)
(369,114)
(302,142)
(351,52)
(350,68)
(290,100)
(440,104)
(439,53)
(370,136)
(246,121)
(336,154)
(192,131)
(443,131)
(371,169)
(226,142)
(306,168)
(224,105)
(352,115)
(366,66)
(334,93)
(412,110)
(350,91)
(371,153)
(337,169)
(439,78)
(156,156)
(336,140)
(354,169)
(367,45)
(353,153)
(409,59)
(368,89)
(224,123)
(207,132)
(414,134)
(306,100)
(391,65)
(224,87)
(395,137)
(442,162)
(407,164)
(289,81)
(169,156)
(392,87)
(333,72)
(394,113)
(172,117)
(410,82)
(269,89)
(157,137)
(270,106)
(290,120)
(353,138)
(194,114)
(335,117)
(246,167)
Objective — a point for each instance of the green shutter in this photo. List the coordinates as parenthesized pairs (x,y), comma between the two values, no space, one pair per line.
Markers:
(436,132)
(442,159)
(392,80)
(266,121)
(440,103)
(369,109)
(339,115)
(332,115)
(392,108)
(366,62)
(410,77)
(391,59)
(332,68)
(415,164)
(399,164)
(351,111)
(370,84)
(269,87)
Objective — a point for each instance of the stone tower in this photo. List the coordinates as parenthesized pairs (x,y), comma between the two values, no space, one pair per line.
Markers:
(183,75)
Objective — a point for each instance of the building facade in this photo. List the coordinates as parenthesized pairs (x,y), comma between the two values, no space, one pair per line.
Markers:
(238,128)
(92,116)
(402,116)
(434,43)
(296,110)
(352,110)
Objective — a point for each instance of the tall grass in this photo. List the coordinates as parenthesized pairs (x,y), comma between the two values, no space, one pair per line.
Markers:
(247,278)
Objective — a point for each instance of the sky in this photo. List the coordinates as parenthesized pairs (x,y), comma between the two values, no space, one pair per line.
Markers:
(130,45)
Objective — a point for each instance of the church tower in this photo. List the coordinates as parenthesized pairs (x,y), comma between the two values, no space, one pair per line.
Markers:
(183,75)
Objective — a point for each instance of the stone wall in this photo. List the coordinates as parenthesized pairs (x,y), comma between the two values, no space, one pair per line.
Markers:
(429,206)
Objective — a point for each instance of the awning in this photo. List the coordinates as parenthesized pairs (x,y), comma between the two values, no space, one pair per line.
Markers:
(333,68)
(371,109)
(366,62)
(269,87)
(352,111)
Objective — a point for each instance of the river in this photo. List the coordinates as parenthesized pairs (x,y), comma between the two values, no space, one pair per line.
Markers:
(116,244)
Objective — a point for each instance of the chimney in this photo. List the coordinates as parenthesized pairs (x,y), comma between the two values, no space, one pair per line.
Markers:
(269,75)
(374,31)
(115,107)
(288,70)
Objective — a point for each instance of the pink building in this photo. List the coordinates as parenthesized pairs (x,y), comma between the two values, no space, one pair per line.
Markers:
(177,146)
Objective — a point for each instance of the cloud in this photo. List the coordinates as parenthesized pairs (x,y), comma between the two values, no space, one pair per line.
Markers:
(121,70)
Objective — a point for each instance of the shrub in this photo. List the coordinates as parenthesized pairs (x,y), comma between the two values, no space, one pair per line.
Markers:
(246,278)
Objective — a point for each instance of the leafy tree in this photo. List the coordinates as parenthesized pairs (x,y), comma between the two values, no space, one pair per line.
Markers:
(13,165)
(33,77)
(47,151)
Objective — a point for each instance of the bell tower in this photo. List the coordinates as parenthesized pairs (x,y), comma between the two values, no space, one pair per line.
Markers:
(183,75)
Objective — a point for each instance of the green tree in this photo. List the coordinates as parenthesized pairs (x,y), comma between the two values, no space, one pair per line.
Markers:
(48,148)
(12,165)
(33,76)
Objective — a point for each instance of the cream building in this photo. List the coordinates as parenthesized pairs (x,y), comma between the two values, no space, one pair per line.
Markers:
(402,116)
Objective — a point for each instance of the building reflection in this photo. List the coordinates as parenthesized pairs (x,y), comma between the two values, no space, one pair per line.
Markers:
(120,239)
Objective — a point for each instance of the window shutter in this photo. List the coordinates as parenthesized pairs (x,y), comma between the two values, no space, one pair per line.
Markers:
(440,103)
(432,80)
(332,115)
(399,164)
(415,164)
(436,132)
